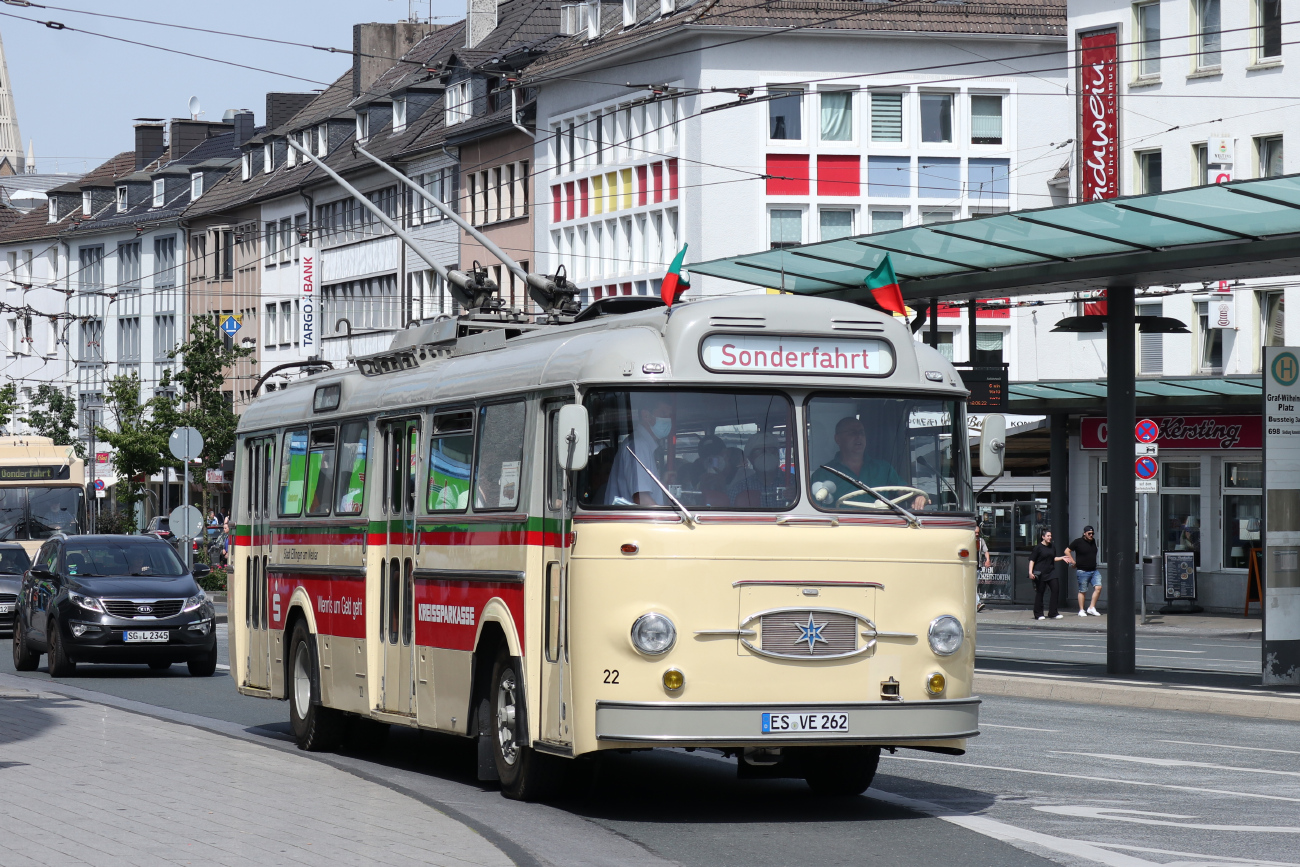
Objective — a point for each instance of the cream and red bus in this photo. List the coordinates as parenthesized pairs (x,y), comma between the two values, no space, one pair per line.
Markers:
(743,524)
(42,491)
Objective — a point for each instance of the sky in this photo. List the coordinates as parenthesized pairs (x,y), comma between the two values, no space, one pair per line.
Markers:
(76,94)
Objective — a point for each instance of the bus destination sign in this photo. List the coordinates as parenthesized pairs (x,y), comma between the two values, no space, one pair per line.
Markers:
(34,474)
(773,353)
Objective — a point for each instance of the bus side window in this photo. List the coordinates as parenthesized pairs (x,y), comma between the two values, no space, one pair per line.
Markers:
(293,472)
(451,446)
(500,456)
(320,471)
(353,449)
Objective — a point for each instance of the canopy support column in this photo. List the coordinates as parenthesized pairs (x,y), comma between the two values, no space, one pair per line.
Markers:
(1059,466)
(971,313)
(1121,417)
(934,323)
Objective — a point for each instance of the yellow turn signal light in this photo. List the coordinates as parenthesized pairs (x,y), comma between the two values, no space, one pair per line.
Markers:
(674,680)
(935,684)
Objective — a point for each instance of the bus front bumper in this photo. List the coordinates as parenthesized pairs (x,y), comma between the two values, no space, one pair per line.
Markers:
(690,724)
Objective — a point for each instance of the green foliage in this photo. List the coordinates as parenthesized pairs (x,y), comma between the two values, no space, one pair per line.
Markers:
(8,402)
(54,415)
(214,581)
(140,440)
(205,358)
(118,523)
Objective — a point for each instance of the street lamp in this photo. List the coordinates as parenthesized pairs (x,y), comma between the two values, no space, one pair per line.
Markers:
(91,404)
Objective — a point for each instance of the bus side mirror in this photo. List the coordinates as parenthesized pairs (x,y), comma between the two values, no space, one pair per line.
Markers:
(993,444)
(571,437)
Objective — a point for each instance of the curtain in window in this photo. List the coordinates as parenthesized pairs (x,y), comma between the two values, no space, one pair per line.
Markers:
(836,225)
(886,221)
(837,117)
(787,228)
(988,341)
(986,119)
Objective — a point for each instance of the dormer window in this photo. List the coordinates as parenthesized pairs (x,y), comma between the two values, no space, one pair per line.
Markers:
(629,12)
(573,18)
(399,114)
(593,19)
(363,125)
(667,7)
(290,155)
(268,157)
(246,166)
(459,108)
(121,199)
(86,202)
(323,140)
(196,185)
(159,192)
(53,203)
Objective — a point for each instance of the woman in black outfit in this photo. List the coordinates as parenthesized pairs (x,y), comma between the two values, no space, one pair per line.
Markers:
(1042,572)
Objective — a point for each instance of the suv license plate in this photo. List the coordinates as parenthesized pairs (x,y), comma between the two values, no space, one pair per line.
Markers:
(152,635)
(781,723)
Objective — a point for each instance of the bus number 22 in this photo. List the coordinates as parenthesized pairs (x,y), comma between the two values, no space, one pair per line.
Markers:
(611,675)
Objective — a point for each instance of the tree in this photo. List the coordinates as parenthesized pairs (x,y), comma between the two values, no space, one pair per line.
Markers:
(140,440)
(204,359)
(54,415)
(8,403)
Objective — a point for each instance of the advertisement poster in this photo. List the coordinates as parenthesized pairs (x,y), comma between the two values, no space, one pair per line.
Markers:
(1099,116)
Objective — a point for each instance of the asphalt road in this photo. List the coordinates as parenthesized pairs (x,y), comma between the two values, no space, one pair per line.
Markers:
(1045,782)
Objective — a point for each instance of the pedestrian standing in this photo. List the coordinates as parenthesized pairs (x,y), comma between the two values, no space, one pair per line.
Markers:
(1042,572)
(1083,554)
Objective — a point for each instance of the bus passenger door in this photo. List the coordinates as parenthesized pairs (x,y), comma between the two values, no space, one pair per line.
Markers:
(556,686)
(261,494)
(396,573)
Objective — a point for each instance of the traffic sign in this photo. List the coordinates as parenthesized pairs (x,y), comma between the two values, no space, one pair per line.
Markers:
(186,522)
(186,443)
(1148,449)
(99,484)
(1146,486)
(1146,431)
(231,324)
(1146,467)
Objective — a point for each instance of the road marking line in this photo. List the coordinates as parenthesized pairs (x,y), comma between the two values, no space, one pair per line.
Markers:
(1142,817)
(1000,671)
(1201,859)
(1095,779)
(1017,728)
(1011,834)
(1178,763)
(1232,747)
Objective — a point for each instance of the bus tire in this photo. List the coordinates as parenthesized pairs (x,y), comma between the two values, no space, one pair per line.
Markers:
(840,771)
(525,774)
(25,659)
(59,664)
(315,727)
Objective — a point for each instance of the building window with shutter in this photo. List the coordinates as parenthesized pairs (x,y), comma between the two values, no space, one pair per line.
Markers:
(1151,349)
(887,117)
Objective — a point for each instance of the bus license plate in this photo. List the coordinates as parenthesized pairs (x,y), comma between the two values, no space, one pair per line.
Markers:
(149,636)
(781,723)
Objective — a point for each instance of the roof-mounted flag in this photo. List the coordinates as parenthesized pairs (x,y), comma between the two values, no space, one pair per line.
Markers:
(883,286)
(674,283)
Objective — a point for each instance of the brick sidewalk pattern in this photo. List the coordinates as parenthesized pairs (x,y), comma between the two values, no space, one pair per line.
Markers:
(90,784)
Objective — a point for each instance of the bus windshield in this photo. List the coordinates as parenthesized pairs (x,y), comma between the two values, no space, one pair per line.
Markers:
(710,449)
(912,450)
(39,512)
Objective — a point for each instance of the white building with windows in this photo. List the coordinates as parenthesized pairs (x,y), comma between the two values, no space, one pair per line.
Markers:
(743,136)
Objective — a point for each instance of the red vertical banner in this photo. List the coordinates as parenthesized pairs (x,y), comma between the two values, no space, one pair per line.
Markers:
(1099,115)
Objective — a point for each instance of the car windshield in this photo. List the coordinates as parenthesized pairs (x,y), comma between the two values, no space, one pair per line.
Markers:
(911,450)
(125,557)
(14,561)
(712,450)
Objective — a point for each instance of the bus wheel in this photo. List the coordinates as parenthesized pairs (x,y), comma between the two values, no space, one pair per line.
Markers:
(25,659)
(525,774)
(315,727)
(840,771)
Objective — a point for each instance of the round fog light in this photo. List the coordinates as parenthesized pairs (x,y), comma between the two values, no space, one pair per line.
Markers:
(78,629)
(674,680)
(935,683)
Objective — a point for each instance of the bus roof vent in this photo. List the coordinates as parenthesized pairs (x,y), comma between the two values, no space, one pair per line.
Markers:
(858,325)
(738,321)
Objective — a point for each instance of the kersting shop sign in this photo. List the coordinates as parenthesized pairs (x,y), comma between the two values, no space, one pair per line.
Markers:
(771,353)
(308,338)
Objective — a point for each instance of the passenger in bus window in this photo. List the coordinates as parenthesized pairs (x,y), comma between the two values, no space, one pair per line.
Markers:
(852,459)
(629,484)
(765,484)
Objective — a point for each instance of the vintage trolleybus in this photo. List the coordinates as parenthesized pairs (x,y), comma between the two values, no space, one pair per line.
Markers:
(743,524)
(42,491)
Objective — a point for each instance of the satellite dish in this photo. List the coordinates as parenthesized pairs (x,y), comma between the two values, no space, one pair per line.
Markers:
(194,107)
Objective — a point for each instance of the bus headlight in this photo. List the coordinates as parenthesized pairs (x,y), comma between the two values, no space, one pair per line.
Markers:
(946,635)
(653,634)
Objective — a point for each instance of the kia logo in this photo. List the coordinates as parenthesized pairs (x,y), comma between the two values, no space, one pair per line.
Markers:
(144,609)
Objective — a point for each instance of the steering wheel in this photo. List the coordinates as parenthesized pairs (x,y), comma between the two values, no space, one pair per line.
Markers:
(909,492)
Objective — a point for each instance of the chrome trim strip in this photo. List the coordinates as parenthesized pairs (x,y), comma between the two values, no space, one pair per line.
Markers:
(492,575)
(792,738)
(305,569)
(454,518)
(810,706)
(791,582)
(565,750)
(729,633)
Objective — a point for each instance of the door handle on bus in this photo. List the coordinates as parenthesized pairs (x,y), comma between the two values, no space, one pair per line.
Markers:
(808,521)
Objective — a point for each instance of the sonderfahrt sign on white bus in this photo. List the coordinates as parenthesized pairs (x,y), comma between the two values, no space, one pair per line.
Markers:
(308,338)
(772,353)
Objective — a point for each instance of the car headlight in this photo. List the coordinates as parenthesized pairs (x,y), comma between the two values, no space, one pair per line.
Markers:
(654,634)
(194,602)
(89,603)
(946,635)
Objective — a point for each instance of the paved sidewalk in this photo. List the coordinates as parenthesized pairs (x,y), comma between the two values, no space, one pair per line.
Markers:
(1205,625)
(91,784)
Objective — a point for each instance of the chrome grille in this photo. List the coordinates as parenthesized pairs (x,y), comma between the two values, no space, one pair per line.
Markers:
(6,598)
(131,607)
(788,633)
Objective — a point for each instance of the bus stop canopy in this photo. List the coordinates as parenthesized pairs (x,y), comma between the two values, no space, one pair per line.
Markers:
(1155,394)
(1223,231)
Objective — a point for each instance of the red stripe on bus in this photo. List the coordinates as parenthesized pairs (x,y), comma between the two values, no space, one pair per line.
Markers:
(350,538)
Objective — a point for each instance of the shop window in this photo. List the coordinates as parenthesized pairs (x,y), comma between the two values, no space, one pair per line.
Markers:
(1243,510)
(1180,507)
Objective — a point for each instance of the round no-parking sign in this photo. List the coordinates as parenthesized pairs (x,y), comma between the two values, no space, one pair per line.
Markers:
(1146,431)
(1145,467)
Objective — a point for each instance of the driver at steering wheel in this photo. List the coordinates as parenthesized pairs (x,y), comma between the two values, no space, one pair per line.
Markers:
(852,459)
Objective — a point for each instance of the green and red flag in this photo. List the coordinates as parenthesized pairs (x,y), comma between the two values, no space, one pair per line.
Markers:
(883,286)
(674,283)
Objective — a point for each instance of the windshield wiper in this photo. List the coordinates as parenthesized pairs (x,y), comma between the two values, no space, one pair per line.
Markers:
(677,504)
(911,519)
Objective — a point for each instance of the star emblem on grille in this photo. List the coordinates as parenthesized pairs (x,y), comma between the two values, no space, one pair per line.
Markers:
(811,633)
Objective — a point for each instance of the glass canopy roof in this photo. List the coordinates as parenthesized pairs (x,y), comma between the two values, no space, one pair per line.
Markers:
(1218,232)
